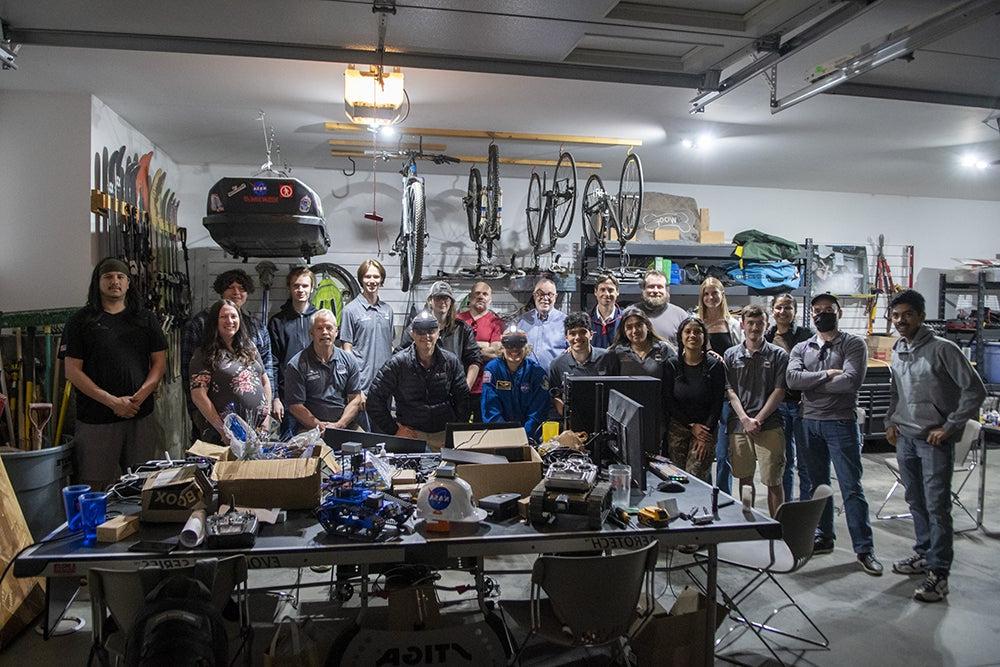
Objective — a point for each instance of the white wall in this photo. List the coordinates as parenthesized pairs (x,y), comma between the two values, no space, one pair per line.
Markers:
(44,200)
(940,229)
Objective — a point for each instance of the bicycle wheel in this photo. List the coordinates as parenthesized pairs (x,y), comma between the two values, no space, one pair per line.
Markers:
(595,219)
(493,193)
(564,189)
(630,197)
(473,196)
(412,259)
(335,287)
(533,212)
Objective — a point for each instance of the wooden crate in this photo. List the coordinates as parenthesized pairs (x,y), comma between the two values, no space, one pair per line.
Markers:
(21,600)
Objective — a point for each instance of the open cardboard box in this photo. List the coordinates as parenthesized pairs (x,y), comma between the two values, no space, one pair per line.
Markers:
(169,496)
(519,476)
(291,484)
(676,638)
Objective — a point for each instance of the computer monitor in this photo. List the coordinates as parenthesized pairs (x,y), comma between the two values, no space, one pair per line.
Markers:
(586,399)
(336,437)
(625,425)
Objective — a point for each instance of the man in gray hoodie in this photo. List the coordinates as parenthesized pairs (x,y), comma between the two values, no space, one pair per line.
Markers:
(935,391)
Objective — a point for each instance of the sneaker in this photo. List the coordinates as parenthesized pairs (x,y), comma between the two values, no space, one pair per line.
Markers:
(915,564)
(822,546)
(870,564)
(933,589)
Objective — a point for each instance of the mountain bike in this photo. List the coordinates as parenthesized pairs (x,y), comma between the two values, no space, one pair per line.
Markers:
(550,210)
(604,212)
(483,207)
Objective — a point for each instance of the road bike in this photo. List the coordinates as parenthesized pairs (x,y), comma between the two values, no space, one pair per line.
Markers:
(550,210)
(604,212)
(483,207)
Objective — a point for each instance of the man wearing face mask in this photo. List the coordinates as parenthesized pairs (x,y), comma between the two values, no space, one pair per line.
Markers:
(829,369)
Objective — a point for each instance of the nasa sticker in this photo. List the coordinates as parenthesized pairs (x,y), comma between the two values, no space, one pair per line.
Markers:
(439,498)
(260,188)
(305,204)
(487,377)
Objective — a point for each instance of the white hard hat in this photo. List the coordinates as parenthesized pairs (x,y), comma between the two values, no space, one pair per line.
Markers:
(445,497)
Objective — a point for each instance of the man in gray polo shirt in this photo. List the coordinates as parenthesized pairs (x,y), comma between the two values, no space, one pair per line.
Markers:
(322,382)
(829,369)
(755,374)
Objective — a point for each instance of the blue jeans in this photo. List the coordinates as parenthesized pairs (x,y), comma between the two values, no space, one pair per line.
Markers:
(723,471)
(926,472)
(838,441)
(795,454)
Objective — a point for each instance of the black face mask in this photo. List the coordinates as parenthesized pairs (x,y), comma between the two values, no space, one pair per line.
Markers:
(825,322)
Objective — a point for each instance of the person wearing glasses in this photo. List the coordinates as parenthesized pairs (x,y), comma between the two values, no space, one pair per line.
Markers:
(515,388)
(544,325)
(828,369)
(427,383)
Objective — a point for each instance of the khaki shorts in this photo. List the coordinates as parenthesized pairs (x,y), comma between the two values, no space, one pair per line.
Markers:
(766,448)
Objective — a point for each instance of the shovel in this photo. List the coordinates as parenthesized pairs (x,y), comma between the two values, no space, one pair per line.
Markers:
(40,414)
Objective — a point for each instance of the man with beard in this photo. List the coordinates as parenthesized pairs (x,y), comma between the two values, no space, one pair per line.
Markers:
(935,391)
(455,335)
(115,356)
(665,316)
(487,327)
(581,358)
(289,330)
(828,369)
(322,382)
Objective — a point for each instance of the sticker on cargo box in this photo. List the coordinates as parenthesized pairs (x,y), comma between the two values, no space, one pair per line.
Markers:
(286,190)
(305,204)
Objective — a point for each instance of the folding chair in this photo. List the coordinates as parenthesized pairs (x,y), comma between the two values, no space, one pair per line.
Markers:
(798,520)
(117,597)
(964,463)
(591,601)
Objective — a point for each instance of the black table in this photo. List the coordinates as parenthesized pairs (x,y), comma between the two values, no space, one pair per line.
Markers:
(300,541)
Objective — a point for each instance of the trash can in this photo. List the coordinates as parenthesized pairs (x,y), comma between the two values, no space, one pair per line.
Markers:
(38,478)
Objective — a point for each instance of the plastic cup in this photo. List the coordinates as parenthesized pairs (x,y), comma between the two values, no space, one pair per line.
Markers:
(93,512)
(71,504)
(621,484)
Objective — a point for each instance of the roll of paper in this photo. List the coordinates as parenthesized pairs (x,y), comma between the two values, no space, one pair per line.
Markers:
(193,533)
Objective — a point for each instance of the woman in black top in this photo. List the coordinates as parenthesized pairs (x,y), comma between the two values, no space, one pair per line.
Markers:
(694,388)
(639,349)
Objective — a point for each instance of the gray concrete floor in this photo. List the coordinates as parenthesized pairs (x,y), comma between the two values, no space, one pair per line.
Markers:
(869,620)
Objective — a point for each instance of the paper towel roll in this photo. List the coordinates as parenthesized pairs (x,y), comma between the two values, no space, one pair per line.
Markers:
(193,533)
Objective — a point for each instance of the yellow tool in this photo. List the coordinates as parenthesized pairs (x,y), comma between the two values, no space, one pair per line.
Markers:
(654,517)
(62,413)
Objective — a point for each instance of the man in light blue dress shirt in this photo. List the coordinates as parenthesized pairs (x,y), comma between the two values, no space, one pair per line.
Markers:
(544,325)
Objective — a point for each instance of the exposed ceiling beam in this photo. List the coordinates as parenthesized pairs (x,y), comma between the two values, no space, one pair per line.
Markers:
(314,52)
(917,95)
(585,56)
(389,145)
(846,12)
(332,126)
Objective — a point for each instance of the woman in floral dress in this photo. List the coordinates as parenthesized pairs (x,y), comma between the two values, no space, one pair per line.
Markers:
(227,376)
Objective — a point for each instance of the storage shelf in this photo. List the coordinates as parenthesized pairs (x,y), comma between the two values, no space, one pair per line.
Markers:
(970,287)
(633,290)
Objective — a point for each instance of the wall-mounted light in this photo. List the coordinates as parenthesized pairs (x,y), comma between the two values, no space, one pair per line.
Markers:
(373,96)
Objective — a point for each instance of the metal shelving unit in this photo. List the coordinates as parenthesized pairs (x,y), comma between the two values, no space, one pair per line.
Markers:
(979,335)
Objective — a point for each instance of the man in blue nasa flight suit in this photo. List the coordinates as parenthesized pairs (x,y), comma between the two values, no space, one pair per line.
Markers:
(516,388)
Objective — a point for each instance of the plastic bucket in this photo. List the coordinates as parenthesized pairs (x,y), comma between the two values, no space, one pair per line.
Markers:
(991,362)
(38,478)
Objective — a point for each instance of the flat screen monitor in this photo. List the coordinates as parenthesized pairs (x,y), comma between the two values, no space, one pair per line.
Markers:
(626,427)
(336,437)
(586,399)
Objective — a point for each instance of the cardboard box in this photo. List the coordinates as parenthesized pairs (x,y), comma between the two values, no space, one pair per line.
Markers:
(704,221)
(880,346)
(118,528)
(291,484)
(210,451)
(706,236)
(666,234)
(171,495)
(520,476)
(676,638)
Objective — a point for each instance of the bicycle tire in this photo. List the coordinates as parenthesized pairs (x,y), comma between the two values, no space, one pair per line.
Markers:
(473,198)
(630,201)
(418,229)
(593,210)
(564,187)
(533,211)
(492,226)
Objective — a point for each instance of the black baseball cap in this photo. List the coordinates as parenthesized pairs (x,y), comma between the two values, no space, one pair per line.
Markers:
(825,296)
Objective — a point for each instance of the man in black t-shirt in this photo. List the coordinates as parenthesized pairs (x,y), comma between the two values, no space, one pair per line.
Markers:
(115,356)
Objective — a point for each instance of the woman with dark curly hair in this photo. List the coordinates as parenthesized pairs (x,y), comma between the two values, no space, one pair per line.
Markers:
(694,387)
(228,376)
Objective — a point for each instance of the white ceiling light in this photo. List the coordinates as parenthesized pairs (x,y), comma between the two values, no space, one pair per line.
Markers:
(373,96)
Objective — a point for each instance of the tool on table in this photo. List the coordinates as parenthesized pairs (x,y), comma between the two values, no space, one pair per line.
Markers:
(654,517)
(619,517)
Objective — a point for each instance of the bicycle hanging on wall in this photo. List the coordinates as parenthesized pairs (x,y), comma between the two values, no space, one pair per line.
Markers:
(550,210)
(604,212)
(483,206)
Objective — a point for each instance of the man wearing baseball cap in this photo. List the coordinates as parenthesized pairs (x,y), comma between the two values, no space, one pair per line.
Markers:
(115,355)
(829,368)
(515,387)
(427,383)
(454,335)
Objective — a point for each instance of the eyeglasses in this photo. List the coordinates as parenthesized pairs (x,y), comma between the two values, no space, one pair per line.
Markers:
(545,295)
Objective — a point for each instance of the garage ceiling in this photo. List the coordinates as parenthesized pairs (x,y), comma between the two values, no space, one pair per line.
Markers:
(190,76)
